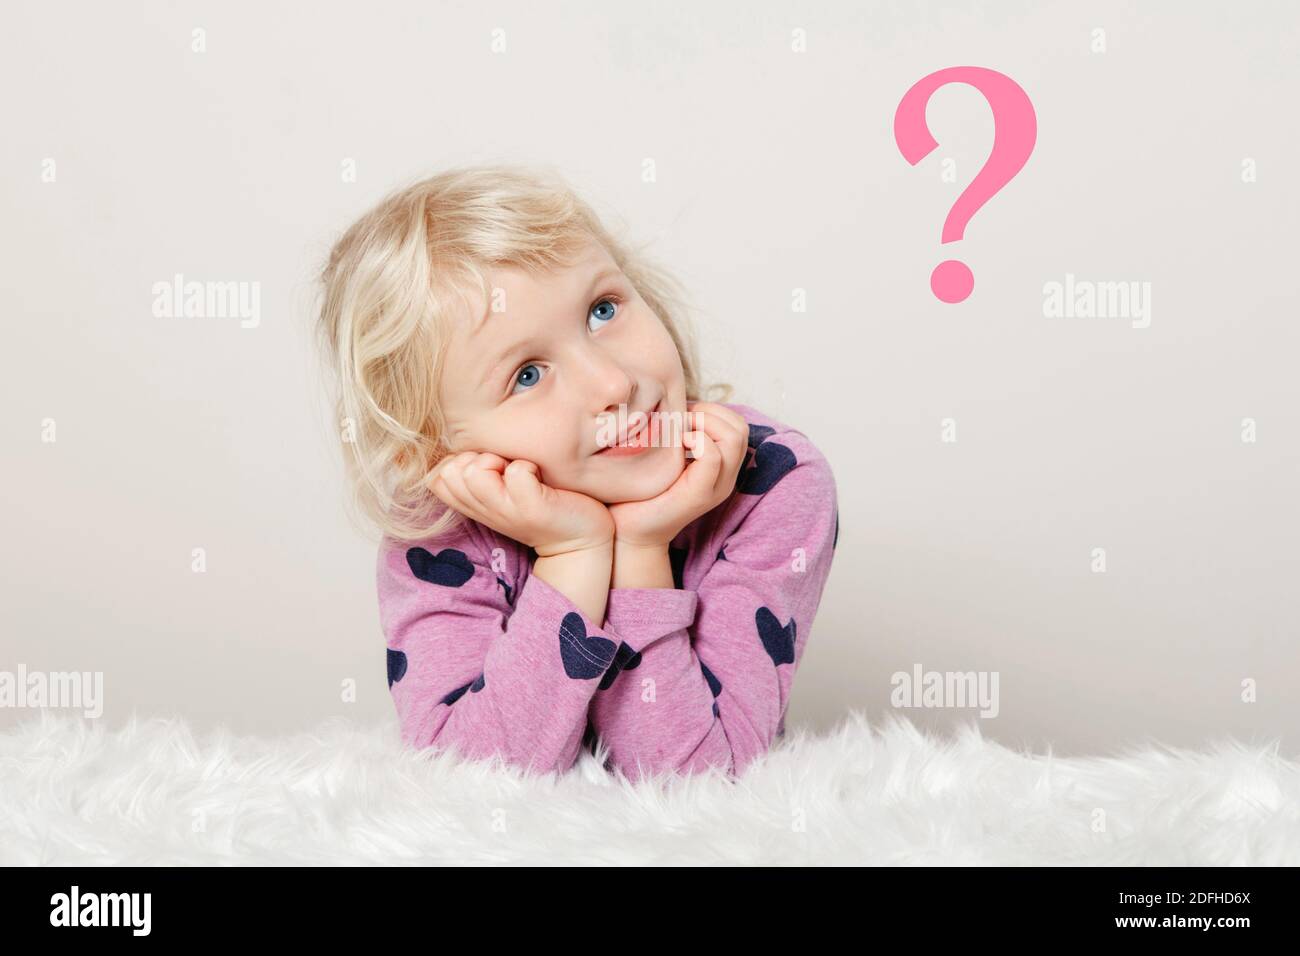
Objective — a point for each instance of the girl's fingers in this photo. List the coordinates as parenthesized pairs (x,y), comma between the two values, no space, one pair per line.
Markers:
(523,481)
(722,424)
(436,480)
(443,491)
(525,466)
(454,492)
(455,477)
(484,481)
(721,412)
(730,440)
(442,467)
(708,460)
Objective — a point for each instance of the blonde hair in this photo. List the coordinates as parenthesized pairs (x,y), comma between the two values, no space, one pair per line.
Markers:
(392,283)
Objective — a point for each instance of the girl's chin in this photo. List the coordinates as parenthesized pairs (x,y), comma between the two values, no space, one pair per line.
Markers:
(639,485)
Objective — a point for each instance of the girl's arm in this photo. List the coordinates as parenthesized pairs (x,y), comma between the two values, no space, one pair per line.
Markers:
(474,667)
(706,678)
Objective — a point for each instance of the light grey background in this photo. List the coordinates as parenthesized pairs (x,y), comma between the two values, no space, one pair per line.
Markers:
(776,171)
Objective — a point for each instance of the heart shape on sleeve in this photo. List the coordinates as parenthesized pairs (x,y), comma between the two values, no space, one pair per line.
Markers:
(449,567)
(778,639)
(584,657)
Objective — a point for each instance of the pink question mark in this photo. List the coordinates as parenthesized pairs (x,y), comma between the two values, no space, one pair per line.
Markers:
(1015,128)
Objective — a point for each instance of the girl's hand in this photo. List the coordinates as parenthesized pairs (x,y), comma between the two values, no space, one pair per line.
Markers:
(718,439)
(509,497)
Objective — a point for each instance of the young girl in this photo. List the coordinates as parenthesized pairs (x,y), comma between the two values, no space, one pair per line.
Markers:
(555,570)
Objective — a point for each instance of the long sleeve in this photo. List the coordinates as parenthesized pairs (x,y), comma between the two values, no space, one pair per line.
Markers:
(704,678)
(476,668)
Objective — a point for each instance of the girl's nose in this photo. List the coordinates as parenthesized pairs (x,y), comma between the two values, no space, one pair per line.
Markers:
(607,381)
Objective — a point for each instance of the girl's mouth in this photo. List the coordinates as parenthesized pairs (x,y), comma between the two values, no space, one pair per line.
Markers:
(636,444)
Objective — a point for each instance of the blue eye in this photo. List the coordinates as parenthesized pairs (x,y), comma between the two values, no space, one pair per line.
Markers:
(607,309)
(523,373)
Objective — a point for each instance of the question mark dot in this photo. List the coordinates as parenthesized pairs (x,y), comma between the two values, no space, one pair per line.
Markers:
(952,281)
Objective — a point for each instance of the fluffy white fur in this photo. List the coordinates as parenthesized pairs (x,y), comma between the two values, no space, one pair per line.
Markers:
(72,792)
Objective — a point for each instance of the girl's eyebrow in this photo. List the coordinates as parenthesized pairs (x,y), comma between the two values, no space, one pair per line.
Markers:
(508,351)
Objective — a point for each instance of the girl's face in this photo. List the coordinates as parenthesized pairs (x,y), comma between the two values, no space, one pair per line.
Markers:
(551,363)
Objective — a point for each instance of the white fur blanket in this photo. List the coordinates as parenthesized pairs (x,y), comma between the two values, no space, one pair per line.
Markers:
(151,793)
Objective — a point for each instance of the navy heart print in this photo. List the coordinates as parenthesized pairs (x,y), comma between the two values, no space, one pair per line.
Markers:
(772,462)
(764,467)
(449,567)
(759,434)
(583,657)
(479,684)
(510,597)
(624,660)
(777,640)
(396,666)
(715,685)
(456,694)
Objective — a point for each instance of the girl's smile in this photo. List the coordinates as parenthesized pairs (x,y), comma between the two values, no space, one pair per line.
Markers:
(643,432)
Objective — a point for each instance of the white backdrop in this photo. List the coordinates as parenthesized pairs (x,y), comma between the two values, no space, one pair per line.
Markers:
(137,149)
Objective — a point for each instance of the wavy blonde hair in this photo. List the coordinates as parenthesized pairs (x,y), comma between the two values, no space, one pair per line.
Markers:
(389,290)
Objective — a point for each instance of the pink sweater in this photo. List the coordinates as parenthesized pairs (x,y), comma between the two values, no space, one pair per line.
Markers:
(484,658)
